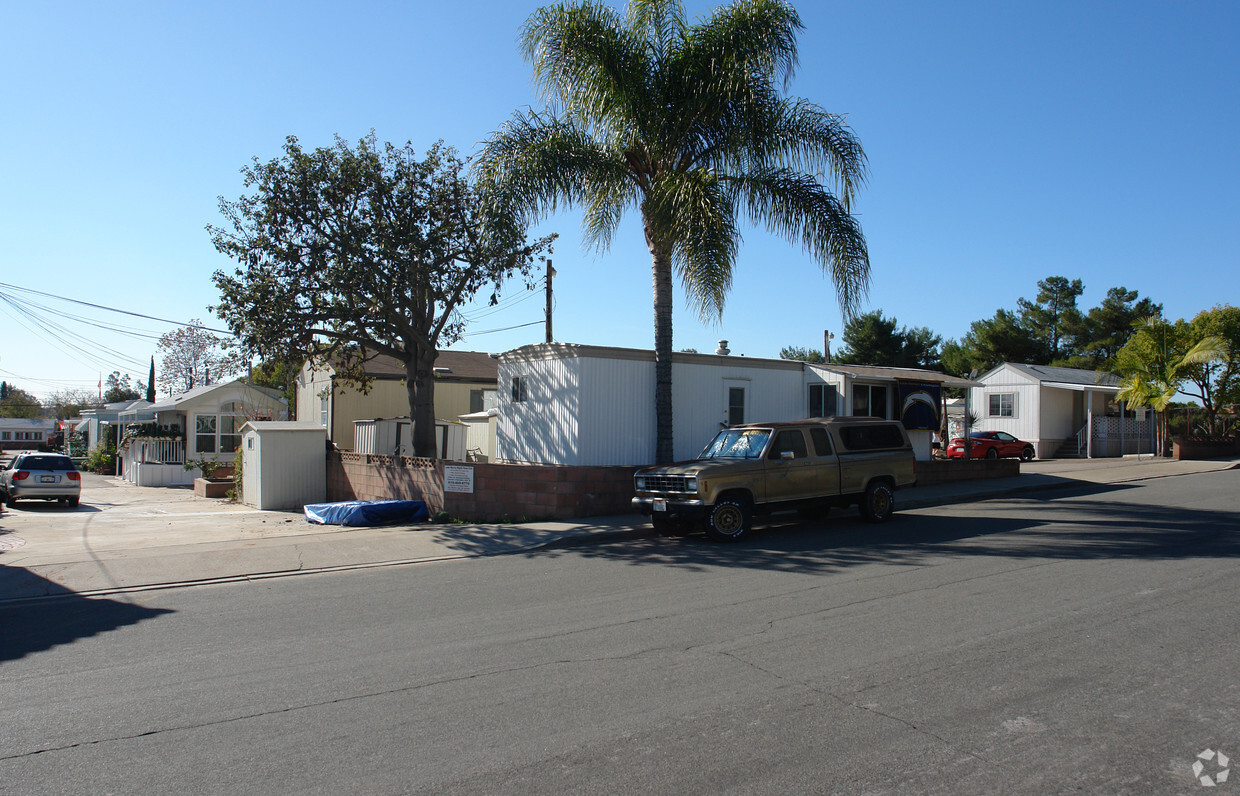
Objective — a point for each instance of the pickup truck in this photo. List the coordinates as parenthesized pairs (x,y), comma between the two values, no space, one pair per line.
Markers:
(761,468)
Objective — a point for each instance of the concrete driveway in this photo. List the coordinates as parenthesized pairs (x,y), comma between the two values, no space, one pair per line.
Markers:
(116,515)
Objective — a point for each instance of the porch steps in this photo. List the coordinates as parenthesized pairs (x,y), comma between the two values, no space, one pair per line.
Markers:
(1068,450)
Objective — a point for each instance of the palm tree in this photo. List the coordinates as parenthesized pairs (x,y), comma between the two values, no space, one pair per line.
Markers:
(687,124)
(1153,365)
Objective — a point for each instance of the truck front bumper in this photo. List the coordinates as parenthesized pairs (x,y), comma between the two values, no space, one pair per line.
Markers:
(685,507)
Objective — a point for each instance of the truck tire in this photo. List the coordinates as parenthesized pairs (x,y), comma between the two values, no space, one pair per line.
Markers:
(729,520)
(878,503)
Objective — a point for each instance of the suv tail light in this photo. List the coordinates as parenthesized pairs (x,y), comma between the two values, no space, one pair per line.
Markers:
(74,475)
(21,475)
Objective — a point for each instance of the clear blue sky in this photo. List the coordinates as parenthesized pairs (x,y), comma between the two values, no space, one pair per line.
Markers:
(1008,141)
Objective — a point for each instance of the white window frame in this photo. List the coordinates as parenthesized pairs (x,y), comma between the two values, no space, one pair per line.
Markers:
(820,408)
(1011,413)
(230,409)
(870,389)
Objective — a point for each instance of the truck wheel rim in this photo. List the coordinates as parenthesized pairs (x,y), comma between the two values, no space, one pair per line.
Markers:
(728,520)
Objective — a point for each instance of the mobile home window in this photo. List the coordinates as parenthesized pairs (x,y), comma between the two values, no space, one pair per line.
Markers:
(519,389)
(736,406)
(220,433)
(869,400)
(475,401)
(1002,404)
(822,401)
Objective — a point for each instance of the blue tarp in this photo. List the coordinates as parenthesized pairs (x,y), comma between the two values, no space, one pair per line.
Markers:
(367,512)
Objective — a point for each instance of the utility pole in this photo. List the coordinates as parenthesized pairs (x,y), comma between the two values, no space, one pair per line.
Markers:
(550,273)
(827,337)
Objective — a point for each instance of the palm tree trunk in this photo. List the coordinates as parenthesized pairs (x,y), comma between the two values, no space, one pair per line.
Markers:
(661,267)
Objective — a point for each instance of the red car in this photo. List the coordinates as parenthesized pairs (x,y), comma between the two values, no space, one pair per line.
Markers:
(992,445)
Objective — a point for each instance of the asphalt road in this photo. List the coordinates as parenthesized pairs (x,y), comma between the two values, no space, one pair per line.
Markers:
(1075,642)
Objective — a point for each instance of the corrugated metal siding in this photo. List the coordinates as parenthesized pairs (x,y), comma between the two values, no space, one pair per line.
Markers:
(618,412)
(544,428)
(617,418)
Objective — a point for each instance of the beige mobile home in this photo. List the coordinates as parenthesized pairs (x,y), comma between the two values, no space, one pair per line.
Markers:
(465,383)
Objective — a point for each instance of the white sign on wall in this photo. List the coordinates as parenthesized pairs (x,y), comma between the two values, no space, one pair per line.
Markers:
(458,479)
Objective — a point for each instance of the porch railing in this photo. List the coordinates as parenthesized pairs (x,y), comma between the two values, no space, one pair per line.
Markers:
(1082,440)
(161,451)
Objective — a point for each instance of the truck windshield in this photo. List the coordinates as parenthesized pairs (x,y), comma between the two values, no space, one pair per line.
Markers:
(737,443)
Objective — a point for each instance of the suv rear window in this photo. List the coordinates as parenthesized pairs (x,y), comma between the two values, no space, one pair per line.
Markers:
(870,437)
(45,463)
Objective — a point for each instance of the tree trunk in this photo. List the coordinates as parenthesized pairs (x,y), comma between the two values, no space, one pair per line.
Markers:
(420,385)
(661,267)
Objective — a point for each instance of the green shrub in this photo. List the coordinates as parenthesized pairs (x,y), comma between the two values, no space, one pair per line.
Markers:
(101,460)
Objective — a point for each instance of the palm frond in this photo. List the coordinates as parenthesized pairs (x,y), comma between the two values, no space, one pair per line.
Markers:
(534,163)
(609,194)
(796,206)
(748,37)
(661,23)
(589,64)
(696,212)
(1208,349)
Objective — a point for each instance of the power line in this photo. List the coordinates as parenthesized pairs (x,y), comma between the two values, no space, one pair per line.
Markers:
(55,333)
(503,304)
(505,329)
(114,309)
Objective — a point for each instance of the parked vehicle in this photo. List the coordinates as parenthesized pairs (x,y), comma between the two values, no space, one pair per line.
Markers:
(992,445)
(41,476)
(760,468)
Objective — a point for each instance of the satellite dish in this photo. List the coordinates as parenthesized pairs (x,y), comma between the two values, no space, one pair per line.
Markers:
(973,375)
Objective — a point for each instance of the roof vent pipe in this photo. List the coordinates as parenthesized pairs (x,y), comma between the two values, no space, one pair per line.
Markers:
(722,350)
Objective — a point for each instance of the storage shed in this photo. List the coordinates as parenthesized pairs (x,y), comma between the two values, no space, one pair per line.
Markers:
(284,464)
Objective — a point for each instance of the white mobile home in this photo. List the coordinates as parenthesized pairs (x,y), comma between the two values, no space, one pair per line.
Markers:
(594,405)
(1062,411)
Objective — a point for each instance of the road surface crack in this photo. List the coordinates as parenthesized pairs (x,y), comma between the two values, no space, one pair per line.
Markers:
(849,703)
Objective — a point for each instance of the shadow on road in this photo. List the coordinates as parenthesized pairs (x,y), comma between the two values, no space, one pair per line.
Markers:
(50,507)
(1075,526)
(35,626)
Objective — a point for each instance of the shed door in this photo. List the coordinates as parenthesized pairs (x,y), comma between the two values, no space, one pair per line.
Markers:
(250,467)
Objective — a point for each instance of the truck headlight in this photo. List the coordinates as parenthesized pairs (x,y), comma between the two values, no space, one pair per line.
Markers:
(641,483)
(691,483)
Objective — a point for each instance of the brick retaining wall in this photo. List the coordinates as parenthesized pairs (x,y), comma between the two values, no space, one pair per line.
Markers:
(500,491)
(537,492)
(1204,447)
(942,471)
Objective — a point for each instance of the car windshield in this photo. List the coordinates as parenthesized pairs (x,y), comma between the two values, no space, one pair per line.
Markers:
(737,443)
(47,463)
